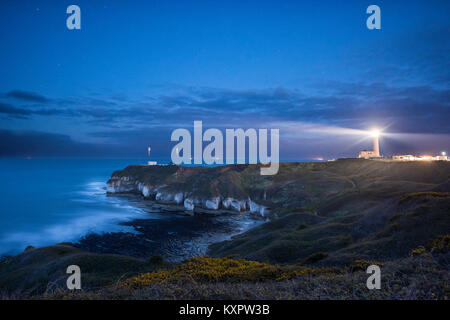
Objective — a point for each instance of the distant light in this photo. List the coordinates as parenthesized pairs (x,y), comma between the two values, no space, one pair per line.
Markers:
(375,133)
(444,153)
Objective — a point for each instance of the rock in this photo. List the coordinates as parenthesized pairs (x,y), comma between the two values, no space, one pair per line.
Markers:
(145,191)
(236,205)
(189,204)
(213,204)
(178,197)
(160,194)
(256,208)
(120,185)
(226,203)
(166,197)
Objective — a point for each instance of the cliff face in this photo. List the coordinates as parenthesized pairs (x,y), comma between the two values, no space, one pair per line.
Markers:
(297,185)
(192,188)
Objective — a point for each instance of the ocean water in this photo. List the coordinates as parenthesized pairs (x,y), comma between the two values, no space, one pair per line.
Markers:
(46,201)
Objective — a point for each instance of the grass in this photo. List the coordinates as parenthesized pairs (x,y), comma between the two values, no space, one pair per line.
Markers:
(37,270)
(418,277)
(364,223)
(207,269)
(422,275)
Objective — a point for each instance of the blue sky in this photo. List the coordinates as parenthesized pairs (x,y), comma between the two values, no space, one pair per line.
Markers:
(137,70)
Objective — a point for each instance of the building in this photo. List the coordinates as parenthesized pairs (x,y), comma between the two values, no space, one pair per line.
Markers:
(409,157)
(375,153)
(367,154)
(150,163)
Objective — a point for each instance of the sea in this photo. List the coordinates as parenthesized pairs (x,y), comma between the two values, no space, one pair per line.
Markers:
(44,201)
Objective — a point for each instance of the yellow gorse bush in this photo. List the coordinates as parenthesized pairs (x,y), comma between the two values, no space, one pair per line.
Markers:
(206,269)
(440,244)
(418,251)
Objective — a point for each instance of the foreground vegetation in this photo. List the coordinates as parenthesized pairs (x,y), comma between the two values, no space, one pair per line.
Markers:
(424,274)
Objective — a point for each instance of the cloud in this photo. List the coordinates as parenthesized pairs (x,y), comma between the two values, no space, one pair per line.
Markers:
(38,144)
(337,109)
(6,108)
(27,96)
(417,109)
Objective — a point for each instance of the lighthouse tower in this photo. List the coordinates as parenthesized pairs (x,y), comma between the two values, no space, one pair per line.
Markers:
(376,144)
(375,153)
(150,163)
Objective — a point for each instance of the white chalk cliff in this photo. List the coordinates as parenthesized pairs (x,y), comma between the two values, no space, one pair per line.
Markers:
(164,194)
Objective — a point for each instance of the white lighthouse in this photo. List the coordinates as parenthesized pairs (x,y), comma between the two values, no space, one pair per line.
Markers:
(376,143)
(150,163)
(375,153)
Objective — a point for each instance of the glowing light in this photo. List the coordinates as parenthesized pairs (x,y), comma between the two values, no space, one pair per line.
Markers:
(444,153)
(375,133)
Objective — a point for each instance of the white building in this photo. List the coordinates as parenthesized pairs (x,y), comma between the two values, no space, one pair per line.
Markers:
(150,163)
(375,153)
(420,158)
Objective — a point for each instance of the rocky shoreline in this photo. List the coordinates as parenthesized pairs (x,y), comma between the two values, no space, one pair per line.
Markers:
(171,233)
(193,207)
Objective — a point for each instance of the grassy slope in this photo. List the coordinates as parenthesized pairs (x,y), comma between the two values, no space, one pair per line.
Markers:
(348,209)
(41,269)
(419,277)
(296,184)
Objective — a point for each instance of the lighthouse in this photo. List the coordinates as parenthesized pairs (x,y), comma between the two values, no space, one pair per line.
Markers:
(376,143)
(375,153)
(150,163)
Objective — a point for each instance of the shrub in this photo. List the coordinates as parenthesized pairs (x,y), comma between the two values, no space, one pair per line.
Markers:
(361,265)
(206,269)
(418,251)
(440,245)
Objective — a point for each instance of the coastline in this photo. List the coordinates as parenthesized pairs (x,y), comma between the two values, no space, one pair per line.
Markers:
(173,235)
(328,221)
(311,190)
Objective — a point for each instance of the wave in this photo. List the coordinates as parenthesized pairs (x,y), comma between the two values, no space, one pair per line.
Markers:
(92,212)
